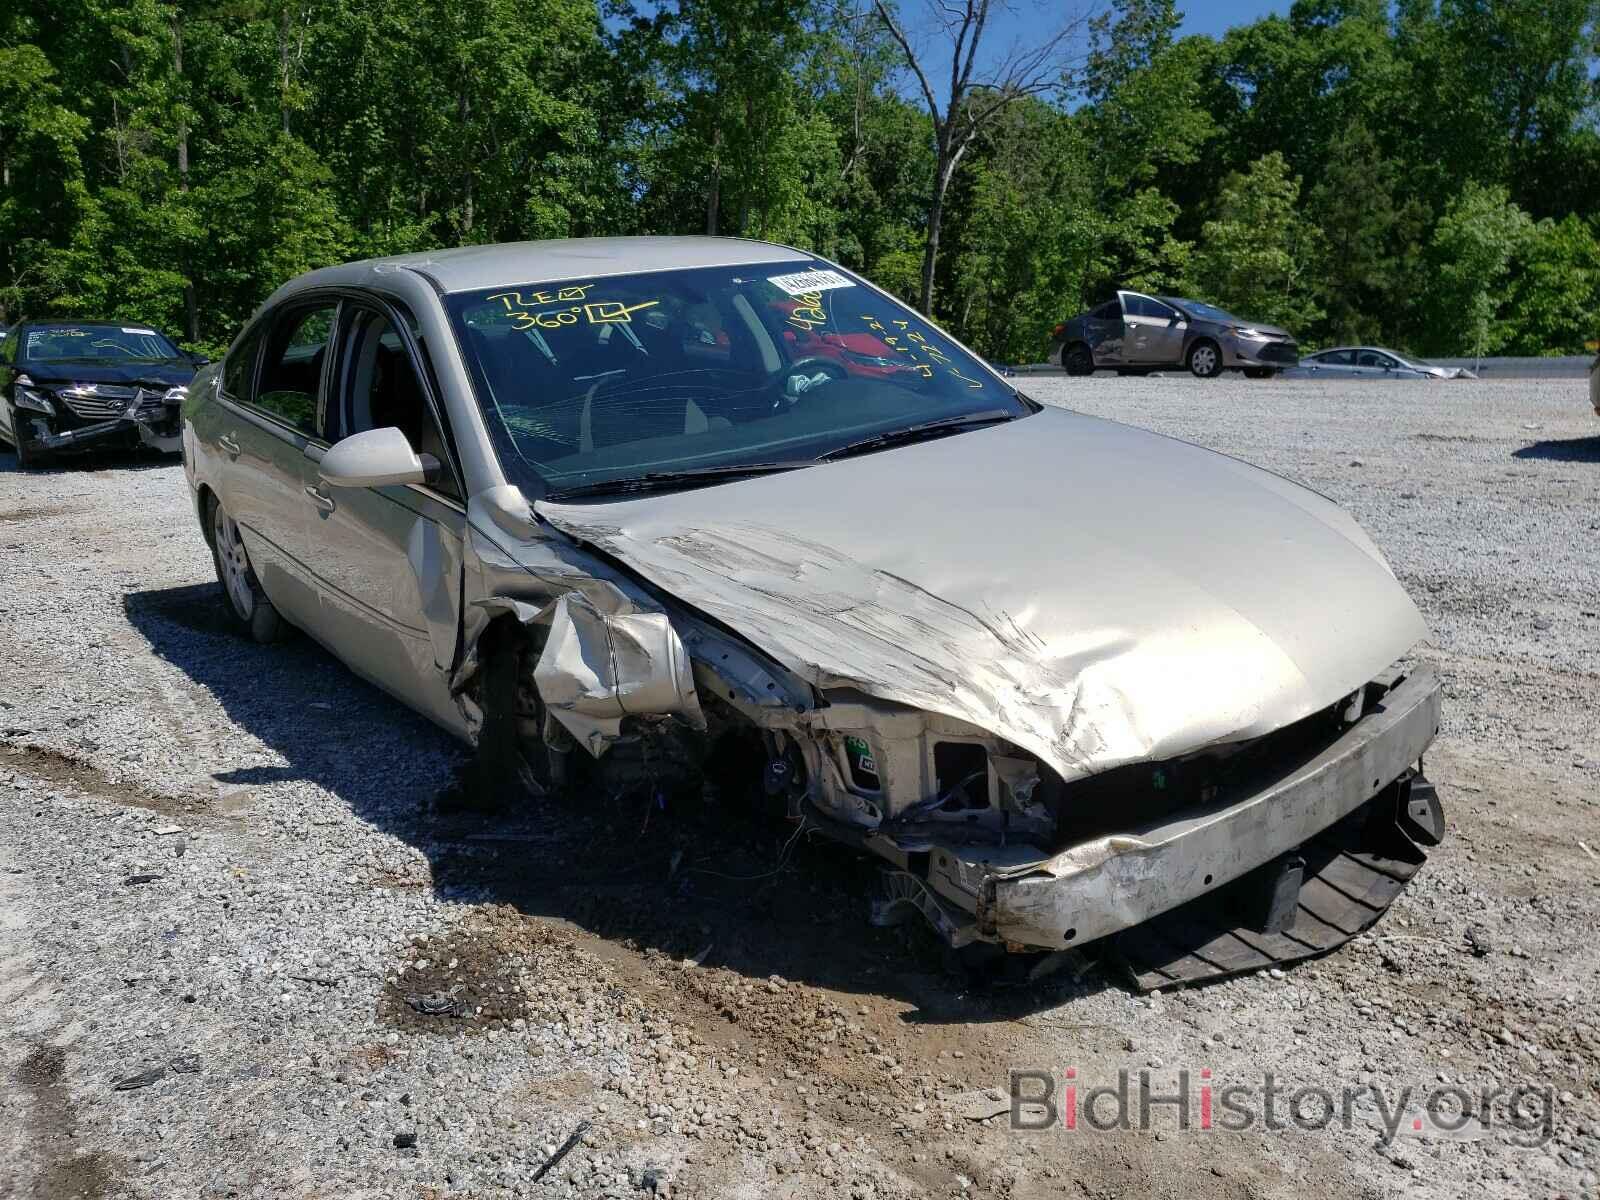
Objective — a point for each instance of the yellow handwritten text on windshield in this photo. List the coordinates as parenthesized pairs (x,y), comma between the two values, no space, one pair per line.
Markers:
(808,311)
(924,355)
(530,311)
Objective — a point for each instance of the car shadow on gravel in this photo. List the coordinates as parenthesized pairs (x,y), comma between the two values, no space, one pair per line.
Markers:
(1584,450)
(715,877)
(88,462)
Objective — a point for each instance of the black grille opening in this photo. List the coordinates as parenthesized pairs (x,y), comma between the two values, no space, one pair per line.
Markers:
(1138,794)
(961,775)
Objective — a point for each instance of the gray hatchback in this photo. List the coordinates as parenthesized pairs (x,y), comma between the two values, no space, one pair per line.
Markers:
(1139,333)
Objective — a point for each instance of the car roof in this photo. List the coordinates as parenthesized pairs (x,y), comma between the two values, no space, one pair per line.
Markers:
(97,322)
(471,268)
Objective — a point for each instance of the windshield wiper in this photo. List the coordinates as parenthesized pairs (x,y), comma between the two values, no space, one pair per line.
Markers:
(919,432)
(662,481)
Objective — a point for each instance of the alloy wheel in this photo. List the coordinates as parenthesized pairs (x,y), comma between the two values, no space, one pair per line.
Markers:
(234,563)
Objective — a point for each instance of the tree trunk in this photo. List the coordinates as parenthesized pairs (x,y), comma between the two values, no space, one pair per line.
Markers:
(714,188)
(930,252)
(463,111)
(283,68)
(191,303)
(943,173)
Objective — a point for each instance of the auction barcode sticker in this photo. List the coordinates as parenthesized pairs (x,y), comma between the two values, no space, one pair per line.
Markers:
(802,282)
(132,329)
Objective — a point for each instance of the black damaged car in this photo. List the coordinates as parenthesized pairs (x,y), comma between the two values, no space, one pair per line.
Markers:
(78,385)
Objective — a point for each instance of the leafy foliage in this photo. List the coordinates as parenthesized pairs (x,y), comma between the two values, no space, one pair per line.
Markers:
(1424,173)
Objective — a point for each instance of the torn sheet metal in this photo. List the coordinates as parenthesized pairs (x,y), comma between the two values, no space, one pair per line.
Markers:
(1094,595)
(604,659)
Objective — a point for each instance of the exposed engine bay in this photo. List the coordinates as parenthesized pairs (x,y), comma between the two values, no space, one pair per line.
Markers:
(981,838)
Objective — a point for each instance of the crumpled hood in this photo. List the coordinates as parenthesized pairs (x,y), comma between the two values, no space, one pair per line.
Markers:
(1091,592)
(159,373)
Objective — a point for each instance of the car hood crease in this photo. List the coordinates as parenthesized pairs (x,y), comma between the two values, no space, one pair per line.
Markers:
(1092,593)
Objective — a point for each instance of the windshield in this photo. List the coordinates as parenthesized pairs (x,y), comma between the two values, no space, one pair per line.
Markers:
(112,343)
(1205,312)
(588,381)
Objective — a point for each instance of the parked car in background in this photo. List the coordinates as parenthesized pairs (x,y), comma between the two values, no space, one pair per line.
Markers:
(1370,362)
(587,505)
(1594,385)
(1138,333)
(69,386)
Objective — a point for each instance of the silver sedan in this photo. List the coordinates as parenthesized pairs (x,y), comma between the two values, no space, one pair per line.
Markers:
(620,512)
(1369,362)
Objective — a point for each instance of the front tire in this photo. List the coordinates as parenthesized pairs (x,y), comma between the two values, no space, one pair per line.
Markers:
(27,460)
(1205,359)
(1077,360)
(246,602)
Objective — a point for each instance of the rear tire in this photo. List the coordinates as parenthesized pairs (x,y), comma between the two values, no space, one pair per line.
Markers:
(252,613)
(1205,359)
(1077,360)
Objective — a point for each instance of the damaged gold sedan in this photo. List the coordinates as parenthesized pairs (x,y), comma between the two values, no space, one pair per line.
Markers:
(623,511)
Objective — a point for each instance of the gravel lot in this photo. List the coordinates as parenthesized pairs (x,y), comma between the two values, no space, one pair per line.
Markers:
(230,878)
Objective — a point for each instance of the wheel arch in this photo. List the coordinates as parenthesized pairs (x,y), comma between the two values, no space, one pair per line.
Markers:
(203,498)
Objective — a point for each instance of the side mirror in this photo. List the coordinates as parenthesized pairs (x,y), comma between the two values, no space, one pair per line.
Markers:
(375,458)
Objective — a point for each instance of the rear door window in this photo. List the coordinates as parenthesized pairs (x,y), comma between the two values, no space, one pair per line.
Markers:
(290,387)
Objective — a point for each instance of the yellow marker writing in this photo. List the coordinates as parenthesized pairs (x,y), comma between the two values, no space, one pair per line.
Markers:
(606,312)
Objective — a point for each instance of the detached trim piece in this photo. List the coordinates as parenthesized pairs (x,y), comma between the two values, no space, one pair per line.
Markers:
(1112,883)
(1354,871)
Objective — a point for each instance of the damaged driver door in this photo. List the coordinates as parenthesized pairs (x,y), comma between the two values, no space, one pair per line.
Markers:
(389,558)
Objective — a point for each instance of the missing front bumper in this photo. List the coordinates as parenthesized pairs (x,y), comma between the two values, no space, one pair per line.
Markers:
(1119,881)
(102,432)
(1341,883)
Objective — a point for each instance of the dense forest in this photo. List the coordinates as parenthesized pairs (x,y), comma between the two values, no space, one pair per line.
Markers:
(1422,173)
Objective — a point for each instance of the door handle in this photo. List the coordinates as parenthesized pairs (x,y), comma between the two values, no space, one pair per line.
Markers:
(227,443)
(320,498)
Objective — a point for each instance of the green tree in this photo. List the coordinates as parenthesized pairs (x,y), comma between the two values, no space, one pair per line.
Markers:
(978,93)
(1554,290)
(1256,256)
(41,176)
(1470,256)
(1371,233)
